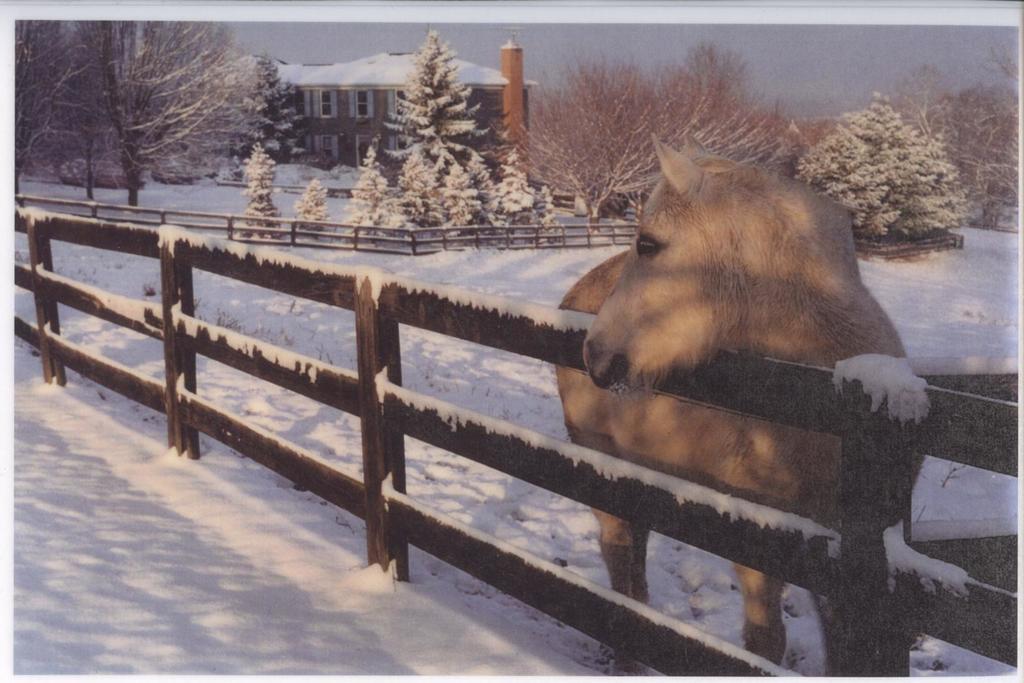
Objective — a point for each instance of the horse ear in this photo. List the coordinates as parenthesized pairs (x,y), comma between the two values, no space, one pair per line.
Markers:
(678,169)
(692,148)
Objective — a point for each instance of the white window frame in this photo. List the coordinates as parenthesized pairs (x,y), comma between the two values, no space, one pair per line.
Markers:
(392,102)
(329,113)
(364,110)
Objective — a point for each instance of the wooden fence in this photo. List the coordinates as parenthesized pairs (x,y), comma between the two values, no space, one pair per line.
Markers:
(292,232)
(877,622)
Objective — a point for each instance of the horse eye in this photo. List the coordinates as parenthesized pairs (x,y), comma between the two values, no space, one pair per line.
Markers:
(645,246)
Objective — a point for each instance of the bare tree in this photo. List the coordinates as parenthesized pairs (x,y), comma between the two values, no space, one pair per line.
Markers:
(167,91)
(709,100)
(982,138)
(84,133)
(42,69)
(591,136)
(922,100)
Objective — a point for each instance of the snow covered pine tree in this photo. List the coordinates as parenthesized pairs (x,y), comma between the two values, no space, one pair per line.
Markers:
(312,205)
(274,122)
(514,198)
(373,202)
(894,179)
(259,178)
(419,195)
(435,123)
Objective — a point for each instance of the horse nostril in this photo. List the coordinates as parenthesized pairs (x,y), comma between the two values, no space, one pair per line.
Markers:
(615,371)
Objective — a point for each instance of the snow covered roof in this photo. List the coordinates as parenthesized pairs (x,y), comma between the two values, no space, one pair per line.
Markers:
(384,69)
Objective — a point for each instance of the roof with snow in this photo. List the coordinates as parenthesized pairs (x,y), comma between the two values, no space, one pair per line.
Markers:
(385,70)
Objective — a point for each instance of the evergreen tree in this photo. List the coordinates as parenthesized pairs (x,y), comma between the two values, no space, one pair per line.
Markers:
(312,205)
(893,178)
(419,195)
(275,122)
(460,199)
(372,200)
(546,209)
(433,116)
(514,198)
(259,177)
(481,180)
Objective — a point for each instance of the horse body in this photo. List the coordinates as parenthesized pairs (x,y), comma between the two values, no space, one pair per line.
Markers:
(727,257)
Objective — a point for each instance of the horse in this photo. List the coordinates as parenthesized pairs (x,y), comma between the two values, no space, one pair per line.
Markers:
(727,256)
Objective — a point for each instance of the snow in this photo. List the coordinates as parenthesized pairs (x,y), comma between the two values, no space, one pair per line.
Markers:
(133,560)
(679,627)
(251,534)
(887,379)
(904,559)
(384,70)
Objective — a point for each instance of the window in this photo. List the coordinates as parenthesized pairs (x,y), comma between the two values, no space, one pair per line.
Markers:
(363,108)
(392,102)
(328,147)
(391,142)
(362,146)
(326,103)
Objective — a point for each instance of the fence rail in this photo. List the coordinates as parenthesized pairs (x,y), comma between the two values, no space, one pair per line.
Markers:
(293,232)
(876,623)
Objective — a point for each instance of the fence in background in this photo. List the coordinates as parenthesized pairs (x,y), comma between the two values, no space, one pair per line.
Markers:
(876,623)
(292,232)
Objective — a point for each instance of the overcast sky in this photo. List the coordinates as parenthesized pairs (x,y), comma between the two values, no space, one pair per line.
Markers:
(810,69)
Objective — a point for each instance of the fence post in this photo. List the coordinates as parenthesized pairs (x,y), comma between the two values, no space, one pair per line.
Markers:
(476,236)
(377,346)
(231,227)
(355,238)
(94,209)
(294,228)
(47,319)
(564,242)
(444,240)
(875,472)
(163,217)
(176,292)
(412,241)
(536,237)
(508,237)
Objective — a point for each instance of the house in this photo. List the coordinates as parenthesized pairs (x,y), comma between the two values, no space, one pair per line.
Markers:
(348,103)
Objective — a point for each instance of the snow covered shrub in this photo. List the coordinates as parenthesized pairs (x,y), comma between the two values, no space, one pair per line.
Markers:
(312,205)
(545,208)
(259,177)
(894,180)
(419,195)
(373,202)
(460,199)
(514,198)
(483,183)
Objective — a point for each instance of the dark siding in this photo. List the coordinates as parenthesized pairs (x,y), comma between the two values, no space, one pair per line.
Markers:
(489,117)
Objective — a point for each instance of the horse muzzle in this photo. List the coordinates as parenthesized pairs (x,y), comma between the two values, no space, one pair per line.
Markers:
(605,369)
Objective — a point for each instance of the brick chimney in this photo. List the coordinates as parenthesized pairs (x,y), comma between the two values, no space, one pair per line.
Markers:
(512,97)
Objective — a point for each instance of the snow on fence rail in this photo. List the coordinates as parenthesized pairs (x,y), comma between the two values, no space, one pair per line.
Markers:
(875,619)
(330,235)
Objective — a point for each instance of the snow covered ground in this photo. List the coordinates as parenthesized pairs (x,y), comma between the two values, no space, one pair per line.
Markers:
(242,554)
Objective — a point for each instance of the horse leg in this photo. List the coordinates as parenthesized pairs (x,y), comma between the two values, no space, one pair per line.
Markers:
(763,631)
(624,549)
